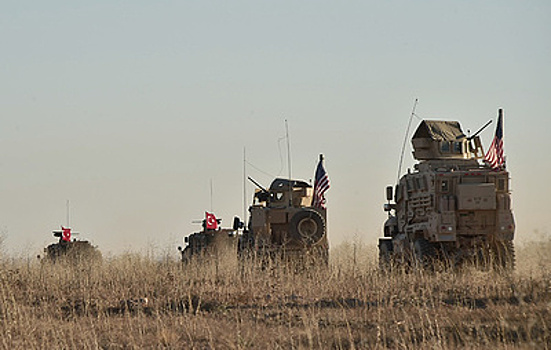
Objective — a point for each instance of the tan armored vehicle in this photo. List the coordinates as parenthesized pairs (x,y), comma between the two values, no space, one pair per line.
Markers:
(72,250)
(219,244)
(452,207)
(284,224)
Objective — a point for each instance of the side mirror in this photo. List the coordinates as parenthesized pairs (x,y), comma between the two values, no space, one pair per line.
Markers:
(180,248)
(186,239)
(389,193)
(237,223)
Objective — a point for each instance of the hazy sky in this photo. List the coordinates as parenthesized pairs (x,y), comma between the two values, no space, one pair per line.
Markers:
(130,109)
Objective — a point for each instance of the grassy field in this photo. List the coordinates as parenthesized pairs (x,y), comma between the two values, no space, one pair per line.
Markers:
(133,301)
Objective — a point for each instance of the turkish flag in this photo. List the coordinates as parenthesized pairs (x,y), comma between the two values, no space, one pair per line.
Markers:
(66,234)
(211,224)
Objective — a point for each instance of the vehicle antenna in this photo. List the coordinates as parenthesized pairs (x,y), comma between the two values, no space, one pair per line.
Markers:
(211,195)
(68,214)
(288,148)
(244,187)
(289,162)
(405,140)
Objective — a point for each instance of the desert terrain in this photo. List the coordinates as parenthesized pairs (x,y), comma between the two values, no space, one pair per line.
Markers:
(136,301)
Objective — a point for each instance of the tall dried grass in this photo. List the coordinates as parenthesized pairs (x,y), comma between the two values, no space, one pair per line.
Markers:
(134,301)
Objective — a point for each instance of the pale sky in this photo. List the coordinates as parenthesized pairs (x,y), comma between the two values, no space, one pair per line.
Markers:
(130,109)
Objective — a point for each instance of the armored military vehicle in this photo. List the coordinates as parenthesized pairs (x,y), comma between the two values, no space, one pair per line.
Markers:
(284,224)
(213,243)
(452,207)
(71,250)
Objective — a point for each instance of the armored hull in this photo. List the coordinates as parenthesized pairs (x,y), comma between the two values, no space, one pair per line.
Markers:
(211,245)
(283,224)
(75,251)
(451,208)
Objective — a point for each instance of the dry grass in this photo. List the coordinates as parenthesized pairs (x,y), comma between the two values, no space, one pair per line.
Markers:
(347,306)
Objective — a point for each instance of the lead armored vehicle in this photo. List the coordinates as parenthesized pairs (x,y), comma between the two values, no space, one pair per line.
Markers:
(453,207)
(284,224)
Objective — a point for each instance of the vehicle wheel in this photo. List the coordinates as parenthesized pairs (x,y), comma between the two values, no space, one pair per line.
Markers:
(504,255)
(481,258)
(385,255)
(424,253)
(307,226)
(319,257)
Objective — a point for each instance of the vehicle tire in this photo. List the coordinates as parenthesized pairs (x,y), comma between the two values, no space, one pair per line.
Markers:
(307,226)
(424,253)
(186,255)
(385,254)
(504,255)
(318,257)
(481,258)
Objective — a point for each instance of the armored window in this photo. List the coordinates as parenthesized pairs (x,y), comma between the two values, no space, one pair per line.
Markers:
(278,196)
(444,186)
(445,146)
(457,147)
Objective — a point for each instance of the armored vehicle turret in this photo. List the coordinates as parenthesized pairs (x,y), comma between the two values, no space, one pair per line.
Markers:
(286,222)
(452,207)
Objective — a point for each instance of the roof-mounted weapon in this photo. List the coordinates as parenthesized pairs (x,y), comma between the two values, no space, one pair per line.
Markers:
(479,130)
(475,146)
(263,195)
(257,184)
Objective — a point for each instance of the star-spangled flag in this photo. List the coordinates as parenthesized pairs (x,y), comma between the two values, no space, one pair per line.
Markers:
(66,234)
(495,157)
(321,184)
(211,222)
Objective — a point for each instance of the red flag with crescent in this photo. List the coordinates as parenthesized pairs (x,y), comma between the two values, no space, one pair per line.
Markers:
(211,223)
(66,234)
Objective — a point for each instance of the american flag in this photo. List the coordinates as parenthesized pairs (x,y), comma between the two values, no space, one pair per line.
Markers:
(321,184)
(495,157)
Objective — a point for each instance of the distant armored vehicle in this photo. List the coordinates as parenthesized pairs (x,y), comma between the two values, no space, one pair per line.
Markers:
(284,223)
(75,251)
(452,207)
(211,242)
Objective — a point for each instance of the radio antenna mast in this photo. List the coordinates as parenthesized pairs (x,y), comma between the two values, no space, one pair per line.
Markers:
(289,162)
(244,187)
(211,195)
(68,214)
(288,148)
(405,140)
